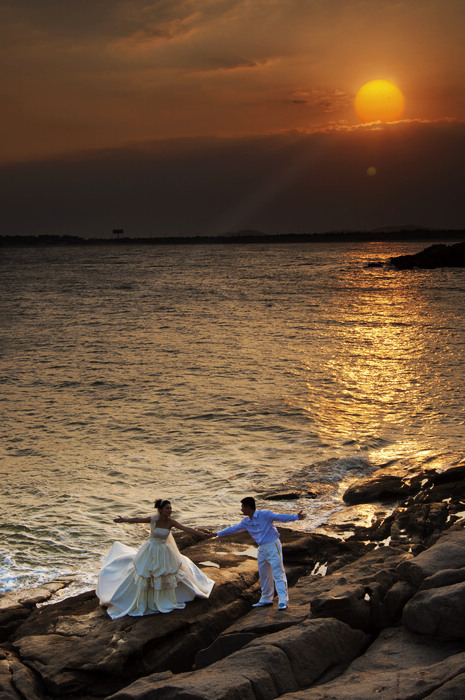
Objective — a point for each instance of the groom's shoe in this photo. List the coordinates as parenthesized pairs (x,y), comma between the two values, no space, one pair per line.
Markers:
(282,606)
(261,604)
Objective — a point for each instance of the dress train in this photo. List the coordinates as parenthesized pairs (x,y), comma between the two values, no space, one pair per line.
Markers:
(155,578)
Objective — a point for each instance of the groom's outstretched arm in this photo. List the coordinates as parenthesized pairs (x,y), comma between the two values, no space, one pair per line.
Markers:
(231,530)
(288,517)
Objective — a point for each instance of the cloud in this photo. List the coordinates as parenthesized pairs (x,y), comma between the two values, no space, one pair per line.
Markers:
(324,101)
(104,72)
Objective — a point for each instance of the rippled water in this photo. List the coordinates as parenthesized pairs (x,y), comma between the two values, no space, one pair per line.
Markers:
(203,374)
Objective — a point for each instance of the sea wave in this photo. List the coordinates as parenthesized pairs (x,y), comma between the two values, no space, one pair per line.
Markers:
(206,373)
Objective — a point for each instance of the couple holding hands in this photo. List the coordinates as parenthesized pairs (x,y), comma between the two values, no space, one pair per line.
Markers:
(157,578)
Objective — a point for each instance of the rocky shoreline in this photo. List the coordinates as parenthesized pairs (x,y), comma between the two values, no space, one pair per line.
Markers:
(376,611)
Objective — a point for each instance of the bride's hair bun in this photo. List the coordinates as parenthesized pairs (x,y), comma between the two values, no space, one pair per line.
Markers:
(160,503)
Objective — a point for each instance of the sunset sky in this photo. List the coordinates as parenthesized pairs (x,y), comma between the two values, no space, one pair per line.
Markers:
(176,117)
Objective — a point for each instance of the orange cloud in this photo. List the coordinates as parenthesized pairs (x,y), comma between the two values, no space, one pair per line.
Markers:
(88,74)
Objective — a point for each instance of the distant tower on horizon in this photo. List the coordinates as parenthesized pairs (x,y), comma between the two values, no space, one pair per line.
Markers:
(118,232)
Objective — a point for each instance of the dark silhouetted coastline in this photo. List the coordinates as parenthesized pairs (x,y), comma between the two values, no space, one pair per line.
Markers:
(237,238)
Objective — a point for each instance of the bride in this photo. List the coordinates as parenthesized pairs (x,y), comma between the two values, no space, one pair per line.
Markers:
(156,577)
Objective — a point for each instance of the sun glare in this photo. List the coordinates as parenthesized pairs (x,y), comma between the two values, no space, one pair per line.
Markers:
(379,101)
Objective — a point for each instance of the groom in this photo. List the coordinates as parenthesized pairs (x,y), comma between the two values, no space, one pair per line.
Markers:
(259,524)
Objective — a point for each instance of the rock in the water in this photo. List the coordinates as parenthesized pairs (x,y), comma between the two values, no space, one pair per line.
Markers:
(286,496)
(439,255)
(376,487)
(317,480)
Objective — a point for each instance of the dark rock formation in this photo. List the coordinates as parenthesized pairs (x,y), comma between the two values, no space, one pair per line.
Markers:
(268,667)
(16,606)
(377,487)
(434,256)
(74,647)
(437,611)
(447,553)
(396,666)
(390,483)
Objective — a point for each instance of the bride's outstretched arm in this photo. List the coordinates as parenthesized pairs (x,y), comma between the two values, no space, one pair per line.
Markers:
(120,519)
(190,530)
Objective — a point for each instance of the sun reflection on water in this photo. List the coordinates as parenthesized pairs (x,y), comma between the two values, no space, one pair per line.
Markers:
(376,372)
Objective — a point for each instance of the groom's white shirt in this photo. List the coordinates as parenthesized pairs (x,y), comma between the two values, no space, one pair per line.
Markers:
(260,525)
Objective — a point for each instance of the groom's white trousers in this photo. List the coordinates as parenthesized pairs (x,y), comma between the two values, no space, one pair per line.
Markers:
(271,571)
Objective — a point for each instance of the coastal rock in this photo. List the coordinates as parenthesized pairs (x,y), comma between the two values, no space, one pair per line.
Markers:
(452,475)
(399,678)
(286,496)
(391,667)
(405,569)
(377,487)
(433,502)
(355,593)
(452,690)
(416,523)
(16,606)
(349,603)
(257,623)
(74,647)
(398,648)
(396,598)
(328,553)
(266,668)
(16,680)
(447,577)
(29,598)
(391,483)
(447,553)
(315,550)
(11,618)
(449,484)
(437,611)
(439,255)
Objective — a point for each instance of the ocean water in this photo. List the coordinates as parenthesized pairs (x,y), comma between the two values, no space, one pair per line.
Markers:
(205,373)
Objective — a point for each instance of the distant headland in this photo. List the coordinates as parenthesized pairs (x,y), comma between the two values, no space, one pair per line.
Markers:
(239,237)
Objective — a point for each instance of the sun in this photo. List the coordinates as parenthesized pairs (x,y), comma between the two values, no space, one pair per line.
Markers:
(379,101)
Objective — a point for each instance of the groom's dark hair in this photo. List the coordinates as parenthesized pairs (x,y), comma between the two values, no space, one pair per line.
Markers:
(248,502)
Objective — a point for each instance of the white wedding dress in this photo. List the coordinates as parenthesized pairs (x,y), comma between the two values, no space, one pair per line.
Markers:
(155,578)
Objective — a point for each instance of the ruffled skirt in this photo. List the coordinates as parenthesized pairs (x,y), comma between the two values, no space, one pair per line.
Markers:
(157,578)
